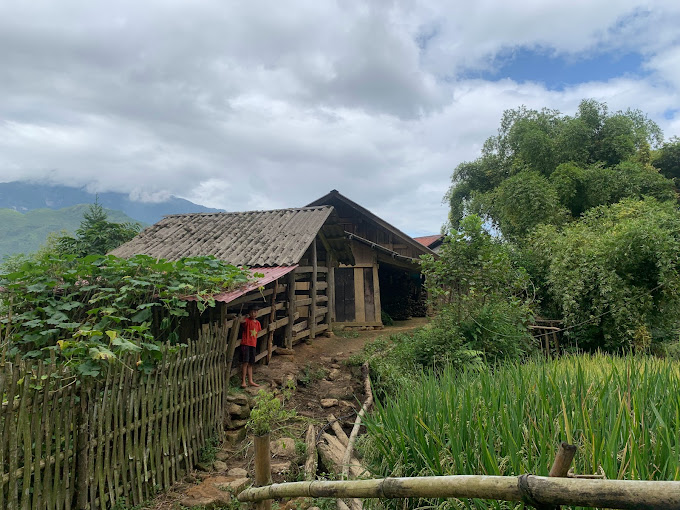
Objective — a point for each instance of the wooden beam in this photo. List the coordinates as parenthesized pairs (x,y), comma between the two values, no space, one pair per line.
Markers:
(291,309)
(330,292)
(272,321)
(376,287)
(233,341)
(312,329)
(310,269)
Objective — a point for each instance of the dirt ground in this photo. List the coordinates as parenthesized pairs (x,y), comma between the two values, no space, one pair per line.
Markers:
(320,370)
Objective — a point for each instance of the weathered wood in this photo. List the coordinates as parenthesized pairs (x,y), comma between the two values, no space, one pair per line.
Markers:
(291,310)
(563,458)
(312,460)
(263,469)
(232,343)
(360,310)
(310,269)
(313,290)
(339,433)
(623,494)
(330,292)
(376,294)
(357,422)
(272,320)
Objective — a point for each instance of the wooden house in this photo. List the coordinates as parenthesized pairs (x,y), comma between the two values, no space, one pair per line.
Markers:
(294,251)
(385,274)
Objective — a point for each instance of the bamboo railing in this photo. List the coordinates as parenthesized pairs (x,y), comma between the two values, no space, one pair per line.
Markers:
(533,490)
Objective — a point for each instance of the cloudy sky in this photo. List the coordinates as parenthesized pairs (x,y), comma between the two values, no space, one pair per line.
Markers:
(259,105)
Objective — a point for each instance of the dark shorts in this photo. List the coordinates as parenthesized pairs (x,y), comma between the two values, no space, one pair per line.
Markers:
(248,354)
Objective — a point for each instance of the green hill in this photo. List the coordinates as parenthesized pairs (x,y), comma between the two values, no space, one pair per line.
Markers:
(26,232)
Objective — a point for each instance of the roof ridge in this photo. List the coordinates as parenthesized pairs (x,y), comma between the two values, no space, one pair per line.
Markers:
(223,213)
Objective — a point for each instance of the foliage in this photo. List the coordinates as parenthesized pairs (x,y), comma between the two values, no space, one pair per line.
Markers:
(267,411)
(89,311)
(386,319)
(509,420)
(311,374)
(96,234)
(27,232)
(615,273)
(547,168)
(667,159)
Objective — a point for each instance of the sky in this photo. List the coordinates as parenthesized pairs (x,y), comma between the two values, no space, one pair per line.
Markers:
(268,104)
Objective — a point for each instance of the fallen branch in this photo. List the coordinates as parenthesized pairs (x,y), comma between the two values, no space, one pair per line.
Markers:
(339,433)
(312,462)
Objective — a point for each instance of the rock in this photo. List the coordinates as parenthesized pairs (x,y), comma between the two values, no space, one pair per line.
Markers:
(239,398)
(190,479)
(211,493)
(222,455)
(325,359)
(344,403)
(235,486)
(238,473)
(329,402)
(238,411)
(281,467)
(283,448)
(237,424)
(204,466)
(335,365)
(235,436)
(218,465)
(334,374)
(289,380)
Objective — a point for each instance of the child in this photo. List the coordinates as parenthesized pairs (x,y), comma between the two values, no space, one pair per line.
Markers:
(251,326)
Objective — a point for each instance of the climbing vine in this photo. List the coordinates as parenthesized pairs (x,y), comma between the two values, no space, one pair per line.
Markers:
(90,311)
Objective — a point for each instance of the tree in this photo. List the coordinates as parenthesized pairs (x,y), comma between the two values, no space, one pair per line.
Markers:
(614,273)
(96,234)
(667,159)
(547,168)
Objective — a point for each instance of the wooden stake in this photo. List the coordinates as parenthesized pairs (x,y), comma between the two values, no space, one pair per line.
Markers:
(272,320)
(263,468)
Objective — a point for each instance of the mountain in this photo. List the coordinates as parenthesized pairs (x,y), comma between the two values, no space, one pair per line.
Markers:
(25,196)
(25,233)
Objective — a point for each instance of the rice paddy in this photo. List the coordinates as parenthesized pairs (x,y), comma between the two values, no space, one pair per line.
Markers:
(623,413)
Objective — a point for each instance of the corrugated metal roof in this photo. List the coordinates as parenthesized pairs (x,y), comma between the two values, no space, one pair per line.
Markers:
(256,238)
(270,274)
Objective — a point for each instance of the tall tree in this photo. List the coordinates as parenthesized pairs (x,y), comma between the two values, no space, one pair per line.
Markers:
(96,234)
(544,167)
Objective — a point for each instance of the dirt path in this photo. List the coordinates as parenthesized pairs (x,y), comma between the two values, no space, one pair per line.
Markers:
(325,383)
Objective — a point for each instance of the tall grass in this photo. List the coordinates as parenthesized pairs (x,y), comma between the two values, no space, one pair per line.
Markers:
(622,413)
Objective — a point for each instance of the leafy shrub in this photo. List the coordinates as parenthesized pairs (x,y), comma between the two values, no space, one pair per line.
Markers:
(614,274)
(386,319)
(267,411)
(90,310)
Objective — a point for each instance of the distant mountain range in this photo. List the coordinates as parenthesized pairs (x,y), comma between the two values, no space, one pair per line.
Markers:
(30,212)
(24,196)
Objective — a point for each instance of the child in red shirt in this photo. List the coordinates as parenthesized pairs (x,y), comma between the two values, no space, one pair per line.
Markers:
(251,326)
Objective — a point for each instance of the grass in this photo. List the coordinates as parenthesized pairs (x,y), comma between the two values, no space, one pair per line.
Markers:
(622,413)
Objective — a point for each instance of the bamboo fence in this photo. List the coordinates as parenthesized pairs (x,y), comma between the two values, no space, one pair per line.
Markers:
(66,444)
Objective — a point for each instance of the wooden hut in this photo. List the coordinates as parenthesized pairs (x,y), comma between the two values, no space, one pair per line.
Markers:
(294,249)
(433,242)
(386,273)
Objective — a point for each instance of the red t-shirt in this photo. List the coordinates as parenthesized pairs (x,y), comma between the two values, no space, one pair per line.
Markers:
(250,329)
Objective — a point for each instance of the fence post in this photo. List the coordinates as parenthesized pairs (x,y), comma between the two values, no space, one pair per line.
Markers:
(560,468)
(82,427)
(263,469)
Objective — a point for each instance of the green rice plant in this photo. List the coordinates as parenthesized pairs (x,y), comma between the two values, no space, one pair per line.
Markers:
(623,413)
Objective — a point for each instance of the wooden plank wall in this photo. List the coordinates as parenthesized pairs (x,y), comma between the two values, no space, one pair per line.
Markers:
(66,445)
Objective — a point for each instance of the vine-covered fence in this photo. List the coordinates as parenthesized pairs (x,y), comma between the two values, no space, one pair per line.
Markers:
(71,444)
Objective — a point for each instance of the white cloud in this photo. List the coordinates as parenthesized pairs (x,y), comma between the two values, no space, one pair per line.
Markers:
(272,104)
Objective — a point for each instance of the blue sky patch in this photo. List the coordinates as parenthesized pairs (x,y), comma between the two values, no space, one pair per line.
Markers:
(560,71)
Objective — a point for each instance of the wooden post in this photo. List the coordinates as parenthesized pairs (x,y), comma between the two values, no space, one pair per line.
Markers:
(263,468)
(231,346)
(291,309)
(560,467)
(376,296)
(272,321)
(330,277)
(312,318)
